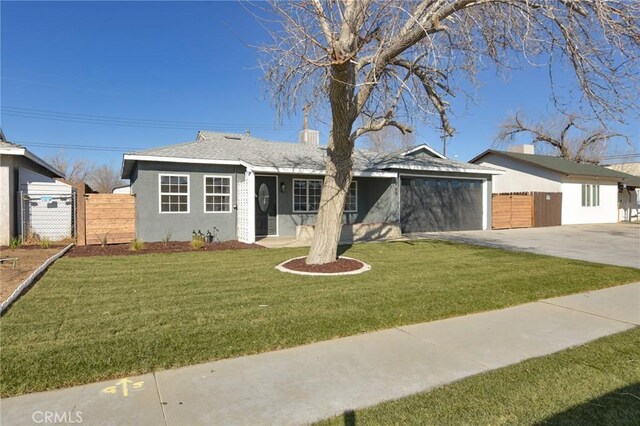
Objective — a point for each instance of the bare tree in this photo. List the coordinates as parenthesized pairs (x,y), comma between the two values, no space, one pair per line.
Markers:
(388,139)
(563,136)
(385,63)
(104,179)
(74,171)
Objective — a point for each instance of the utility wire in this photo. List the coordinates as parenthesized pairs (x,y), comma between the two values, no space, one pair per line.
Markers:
(128,122)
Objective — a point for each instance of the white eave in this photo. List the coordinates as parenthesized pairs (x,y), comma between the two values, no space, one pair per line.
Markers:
(413,167)
(26,153)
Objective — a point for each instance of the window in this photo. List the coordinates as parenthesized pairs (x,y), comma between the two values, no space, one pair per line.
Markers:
(590,195)
(307,193)
(217,194)
(351,205)
(174,194)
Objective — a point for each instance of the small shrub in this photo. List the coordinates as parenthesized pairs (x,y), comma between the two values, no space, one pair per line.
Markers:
(45,243)
(103,240)
(197,242)
(167,238)
(15,242)
(137,245)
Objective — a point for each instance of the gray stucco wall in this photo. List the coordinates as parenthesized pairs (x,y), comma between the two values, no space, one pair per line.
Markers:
(151,225)
(377,202)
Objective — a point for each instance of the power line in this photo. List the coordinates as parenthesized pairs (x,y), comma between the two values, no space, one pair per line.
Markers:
(128,122)
(81,147)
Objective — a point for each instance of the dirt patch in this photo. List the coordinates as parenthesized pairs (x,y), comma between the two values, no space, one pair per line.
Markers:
(340,265)
(172,247)
(29,259)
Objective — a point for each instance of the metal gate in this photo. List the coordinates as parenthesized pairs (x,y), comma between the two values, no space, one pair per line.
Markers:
(47,216)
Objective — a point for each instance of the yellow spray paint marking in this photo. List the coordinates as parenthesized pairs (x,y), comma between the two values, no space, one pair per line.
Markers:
(123,385)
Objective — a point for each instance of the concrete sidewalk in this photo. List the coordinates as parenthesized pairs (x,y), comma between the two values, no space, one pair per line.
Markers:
(308,383)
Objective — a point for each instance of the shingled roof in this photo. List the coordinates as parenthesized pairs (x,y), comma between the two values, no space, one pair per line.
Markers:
(559,165)
(234,148)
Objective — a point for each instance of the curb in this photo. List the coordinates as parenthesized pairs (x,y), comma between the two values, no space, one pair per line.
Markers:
(31,279)
(365,267)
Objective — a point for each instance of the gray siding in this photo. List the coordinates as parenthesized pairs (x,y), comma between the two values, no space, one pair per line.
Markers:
(151,225)
(377,202)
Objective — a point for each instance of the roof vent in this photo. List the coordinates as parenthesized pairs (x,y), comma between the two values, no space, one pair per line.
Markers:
(233,138)
(307,136)
(523,149)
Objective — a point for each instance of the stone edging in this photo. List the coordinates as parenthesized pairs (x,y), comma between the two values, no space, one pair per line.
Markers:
(365,267)
(30,280)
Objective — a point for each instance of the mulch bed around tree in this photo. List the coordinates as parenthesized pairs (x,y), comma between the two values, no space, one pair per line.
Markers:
(171,247)
(340,265)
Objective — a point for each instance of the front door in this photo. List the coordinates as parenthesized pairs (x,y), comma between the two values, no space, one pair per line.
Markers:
(266,201)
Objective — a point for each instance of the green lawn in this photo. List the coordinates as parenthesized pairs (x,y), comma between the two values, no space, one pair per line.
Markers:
(594,384)
(96,318)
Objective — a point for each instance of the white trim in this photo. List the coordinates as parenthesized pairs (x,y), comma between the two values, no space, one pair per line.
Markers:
(345,201)
(426,147)
(443,176)
(485,203)
(26,153)
(255,169)
(277,234)
(160,193)
(251,206)
(204,192)
(444,169)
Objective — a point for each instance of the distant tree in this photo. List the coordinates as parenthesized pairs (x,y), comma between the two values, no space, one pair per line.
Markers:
(104,179)
(384,63)
(388,139)
(563,136)
(74,171)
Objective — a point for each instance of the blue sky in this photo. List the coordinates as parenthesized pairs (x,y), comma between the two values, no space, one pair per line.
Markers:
(171,63)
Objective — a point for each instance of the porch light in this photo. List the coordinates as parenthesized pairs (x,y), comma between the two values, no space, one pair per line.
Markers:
(283,187)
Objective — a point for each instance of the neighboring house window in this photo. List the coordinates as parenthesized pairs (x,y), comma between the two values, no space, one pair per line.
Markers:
(351,205)
(217,194)
(590,195)
(307,192)
(174,194)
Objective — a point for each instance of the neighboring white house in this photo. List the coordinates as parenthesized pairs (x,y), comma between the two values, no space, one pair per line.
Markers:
(629,195)
(126,189)
(589,192)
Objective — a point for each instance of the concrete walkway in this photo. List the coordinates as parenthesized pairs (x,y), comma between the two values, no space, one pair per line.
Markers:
(308,383)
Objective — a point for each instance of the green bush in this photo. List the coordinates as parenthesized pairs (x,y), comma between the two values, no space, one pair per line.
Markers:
(45,243)
(15,242)
(137,245)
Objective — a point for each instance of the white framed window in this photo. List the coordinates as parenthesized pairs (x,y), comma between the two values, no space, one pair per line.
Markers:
(351,204)
(307,193)
(590,195)
(217,194)
(174,193)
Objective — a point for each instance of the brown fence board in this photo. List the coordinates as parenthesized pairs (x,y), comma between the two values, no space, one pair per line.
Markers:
(547,209)
(110,216)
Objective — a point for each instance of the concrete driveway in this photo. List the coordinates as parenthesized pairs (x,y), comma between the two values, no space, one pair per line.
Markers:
(614,244)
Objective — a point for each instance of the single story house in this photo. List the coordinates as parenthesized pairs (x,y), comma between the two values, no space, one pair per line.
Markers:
(589,193)
(19,170)
(629,194)
(237,186)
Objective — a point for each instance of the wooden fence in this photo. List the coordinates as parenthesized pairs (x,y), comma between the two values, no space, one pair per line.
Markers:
(108,217)
(526,210)
(512,210)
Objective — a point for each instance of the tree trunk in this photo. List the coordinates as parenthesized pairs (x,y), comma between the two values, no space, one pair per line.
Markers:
(324,247)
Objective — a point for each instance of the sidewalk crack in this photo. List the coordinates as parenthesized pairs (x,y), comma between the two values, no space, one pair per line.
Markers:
(455,352)
(164,415)
(588,313)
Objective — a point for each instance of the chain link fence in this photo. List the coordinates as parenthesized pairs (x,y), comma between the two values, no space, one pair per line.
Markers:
(47,216)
